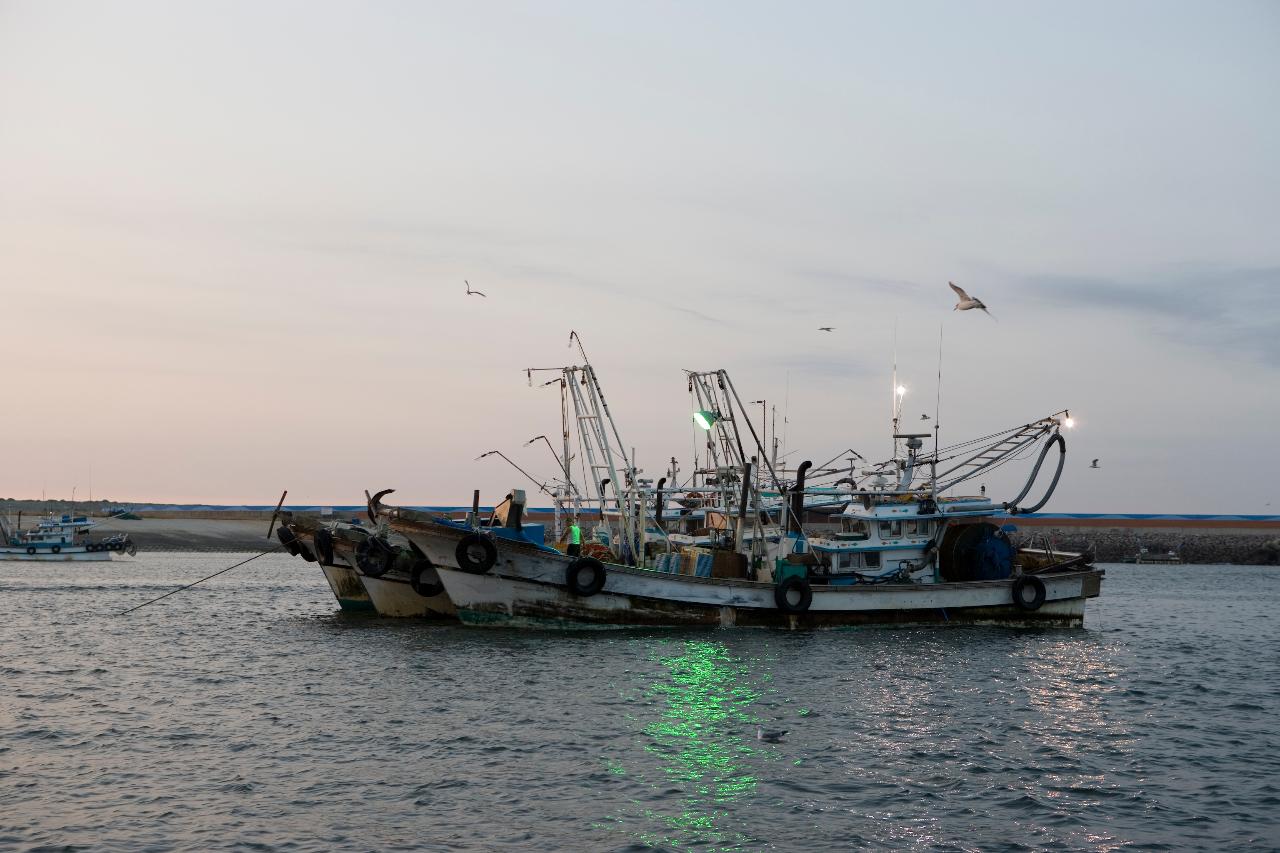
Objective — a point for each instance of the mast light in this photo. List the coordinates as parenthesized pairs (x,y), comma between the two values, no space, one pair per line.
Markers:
(705,419)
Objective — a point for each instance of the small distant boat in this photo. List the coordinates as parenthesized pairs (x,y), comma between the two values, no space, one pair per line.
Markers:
(61,539)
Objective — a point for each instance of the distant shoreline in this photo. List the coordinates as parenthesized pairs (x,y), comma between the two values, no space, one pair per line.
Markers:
(1112,538)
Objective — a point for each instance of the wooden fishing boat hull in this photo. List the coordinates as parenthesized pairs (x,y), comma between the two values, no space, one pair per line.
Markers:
(527,586)
(344,581)
(393,594)
(348,589)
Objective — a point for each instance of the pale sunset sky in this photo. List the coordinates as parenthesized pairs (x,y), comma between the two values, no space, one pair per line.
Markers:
(233,237)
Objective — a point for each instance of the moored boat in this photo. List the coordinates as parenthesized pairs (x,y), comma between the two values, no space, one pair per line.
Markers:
(61,539)
(313,540)
(399,581)
(903,553)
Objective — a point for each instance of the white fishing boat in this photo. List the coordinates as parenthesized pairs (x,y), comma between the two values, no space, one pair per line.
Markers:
(312,539)
(399,581)
(903,551)
(61,539)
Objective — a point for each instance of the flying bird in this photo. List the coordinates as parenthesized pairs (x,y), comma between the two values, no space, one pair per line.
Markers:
(471,292)
(826,329)
(924,417)
(1094,464)
(967,302)
(769,737)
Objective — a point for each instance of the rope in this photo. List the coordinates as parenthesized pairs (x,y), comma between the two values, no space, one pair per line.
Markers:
(202,580)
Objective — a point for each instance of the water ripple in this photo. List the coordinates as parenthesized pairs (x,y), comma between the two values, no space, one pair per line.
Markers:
(247,714)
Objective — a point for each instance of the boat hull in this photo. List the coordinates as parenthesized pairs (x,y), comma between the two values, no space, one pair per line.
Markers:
(527,587)
(348,589)
(392,594)
(68,554)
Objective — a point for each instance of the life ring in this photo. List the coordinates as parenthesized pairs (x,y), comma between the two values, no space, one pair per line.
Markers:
(31,549)
(1019,592)
(57,549)
(373,557)
(420,580)
(288,540)
(323,541)
(476,554)
(803,595)
(573,576)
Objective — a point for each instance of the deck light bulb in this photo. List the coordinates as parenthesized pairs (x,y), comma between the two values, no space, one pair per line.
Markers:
(705,419)
(902,390)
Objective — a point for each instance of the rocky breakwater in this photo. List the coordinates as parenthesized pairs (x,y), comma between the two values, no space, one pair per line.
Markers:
(1111,541)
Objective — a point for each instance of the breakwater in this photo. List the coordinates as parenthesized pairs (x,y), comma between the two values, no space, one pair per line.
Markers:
(1247,540)
(1194,540)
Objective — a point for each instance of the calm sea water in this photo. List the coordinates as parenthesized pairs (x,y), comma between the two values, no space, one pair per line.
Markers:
(249,714)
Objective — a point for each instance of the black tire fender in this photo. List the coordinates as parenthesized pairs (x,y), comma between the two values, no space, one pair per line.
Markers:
(372,557)
(476,554)
(288,540)
(92,547)
(573,576)
(1019,592)
(57,549)
(323,541)
(782,595)
(419,579)
(31,549)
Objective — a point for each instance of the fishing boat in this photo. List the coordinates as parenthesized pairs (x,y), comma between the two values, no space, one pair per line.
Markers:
(902,551)
(311,539)
(61,539)
(400,582)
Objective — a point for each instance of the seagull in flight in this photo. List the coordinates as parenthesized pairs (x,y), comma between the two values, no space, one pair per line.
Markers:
(826,329)
(1094,464)
(966,301)
(769,737)
(924,417)
(471,292)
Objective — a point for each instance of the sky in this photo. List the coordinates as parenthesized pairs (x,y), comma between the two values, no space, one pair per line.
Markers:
(234,235)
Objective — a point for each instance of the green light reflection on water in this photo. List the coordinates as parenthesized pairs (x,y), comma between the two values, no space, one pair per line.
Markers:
(698,742)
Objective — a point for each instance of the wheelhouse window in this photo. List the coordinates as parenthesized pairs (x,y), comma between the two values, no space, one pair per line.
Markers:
(873,559)
(853,528)
(890,529)
(917,528)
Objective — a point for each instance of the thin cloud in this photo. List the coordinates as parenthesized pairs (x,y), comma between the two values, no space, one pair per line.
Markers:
(1234,310)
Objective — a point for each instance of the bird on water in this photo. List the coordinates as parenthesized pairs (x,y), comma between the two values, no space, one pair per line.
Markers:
(471,292)
(967,302)
(769,737)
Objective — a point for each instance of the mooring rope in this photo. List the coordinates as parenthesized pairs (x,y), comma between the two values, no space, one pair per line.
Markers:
(202,580)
